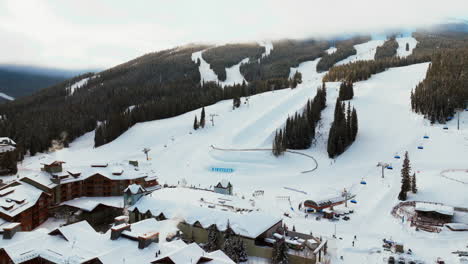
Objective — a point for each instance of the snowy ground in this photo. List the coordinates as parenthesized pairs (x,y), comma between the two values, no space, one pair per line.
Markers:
(386,126)
(401,51)
(365,51)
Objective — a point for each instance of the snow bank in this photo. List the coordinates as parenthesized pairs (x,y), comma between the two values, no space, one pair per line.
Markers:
(7,97)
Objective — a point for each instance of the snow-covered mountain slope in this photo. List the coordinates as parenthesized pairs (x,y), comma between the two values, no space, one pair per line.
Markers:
(387,126)
(233,74)
(331,50)
(401,51)
(268,47)
(365,51)
(7,97)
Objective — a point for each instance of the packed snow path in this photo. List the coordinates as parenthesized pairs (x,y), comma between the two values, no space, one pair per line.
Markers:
(288,151)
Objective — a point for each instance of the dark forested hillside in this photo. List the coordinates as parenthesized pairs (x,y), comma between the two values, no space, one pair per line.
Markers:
(17,83)
(157,78)
(223,57)
(154,86)
(387,50)
(345,48)
(429,41)
(445,87)
(285,54)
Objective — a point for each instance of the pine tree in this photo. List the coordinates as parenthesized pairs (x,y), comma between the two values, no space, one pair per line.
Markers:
(212,243)
(202,118)
(354,124)
(414,188)
(280,252)
(405,178)
(195,123)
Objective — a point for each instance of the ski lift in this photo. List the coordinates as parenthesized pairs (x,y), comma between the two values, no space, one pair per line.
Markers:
(353,201)
(363,182)
(390,167)
(426,136)
(420,147)
(397,157)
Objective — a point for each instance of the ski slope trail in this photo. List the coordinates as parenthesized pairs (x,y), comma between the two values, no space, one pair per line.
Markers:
(262,129)
(364,51)
(401,51)
(233,74)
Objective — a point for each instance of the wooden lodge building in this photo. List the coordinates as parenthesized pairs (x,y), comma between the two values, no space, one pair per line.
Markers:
(27,200)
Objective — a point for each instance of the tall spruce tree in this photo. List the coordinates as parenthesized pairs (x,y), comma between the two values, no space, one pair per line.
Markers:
(280,252)
(414,188)
(195,123)
(202,118)
(213,242)
(354,124)
(405,178)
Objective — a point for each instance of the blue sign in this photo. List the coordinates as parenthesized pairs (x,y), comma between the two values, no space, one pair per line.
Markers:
(225,170)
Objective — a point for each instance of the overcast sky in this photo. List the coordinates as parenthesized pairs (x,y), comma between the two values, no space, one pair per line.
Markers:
(100,34)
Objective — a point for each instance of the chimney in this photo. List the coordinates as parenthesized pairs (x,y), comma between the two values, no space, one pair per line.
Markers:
(120,220)
(10,230)
(117,230)
(147,238)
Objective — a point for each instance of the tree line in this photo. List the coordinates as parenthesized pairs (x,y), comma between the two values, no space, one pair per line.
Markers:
(8,162)
(225,56)
(387,50)
(344,128)
(445,87)
(363,70)
(299,130)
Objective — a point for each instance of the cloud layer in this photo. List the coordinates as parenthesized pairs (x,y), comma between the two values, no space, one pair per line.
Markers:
(100,34)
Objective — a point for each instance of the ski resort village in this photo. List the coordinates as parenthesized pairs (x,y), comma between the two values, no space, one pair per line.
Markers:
(349,157)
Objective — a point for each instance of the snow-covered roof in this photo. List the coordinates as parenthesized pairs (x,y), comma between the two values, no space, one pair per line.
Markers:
(90,203)
(193,253)
(430,207)
(214,209)
(17,198)
(134,188)
(76,243)
(151,225)
(79,242)
(6,144)
(7,141)
(80,173)
(223,183)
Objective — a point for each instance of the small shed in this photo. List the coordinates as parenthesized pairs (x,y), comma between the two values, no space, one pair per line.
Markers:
(223,187)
